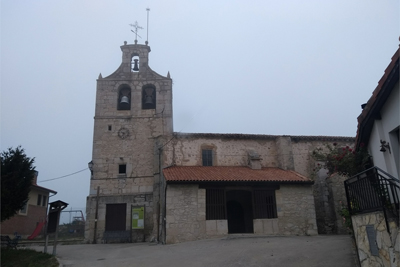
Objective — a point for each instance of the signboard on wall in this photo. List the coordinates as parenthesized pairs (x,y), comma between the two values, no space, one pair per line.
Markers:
(138,217)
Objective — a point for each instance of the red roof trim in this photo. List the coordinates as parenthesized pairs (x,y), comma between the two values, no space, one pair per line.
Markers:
(378,95)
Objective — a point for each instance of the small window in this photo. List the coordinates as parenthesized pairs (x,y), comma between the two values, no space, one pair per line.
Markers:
(207,157)
(39,199)
(109,127)
(122,169)
(149,97)
(24,208)
(44,201)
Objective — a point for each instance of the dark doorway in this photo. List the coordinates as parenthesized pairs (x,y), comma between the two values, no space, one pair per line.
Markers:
(235,217)
(116,217)
(239,211)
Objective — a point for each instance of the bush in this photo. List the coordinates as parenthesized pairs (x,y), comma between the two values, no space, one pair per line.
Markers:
(342,160)
(26,258)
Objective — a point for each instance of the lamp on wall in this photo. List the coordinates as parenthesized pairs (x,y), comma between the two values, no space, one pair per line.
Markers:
(384,146)
(90,165)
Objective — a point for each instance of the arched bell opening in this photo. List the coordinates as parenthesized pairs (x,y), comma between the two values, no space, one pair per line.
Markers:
(124,97)
(135,63)
(149,97)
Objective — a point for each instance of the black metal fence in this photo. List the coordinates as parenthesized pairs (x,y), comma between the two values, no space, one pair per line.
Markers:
(373,190)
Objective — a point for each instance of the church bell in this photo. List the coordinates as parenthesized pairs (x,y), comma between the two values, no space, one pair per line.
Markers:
(124,100)
(135,67)
(149,100)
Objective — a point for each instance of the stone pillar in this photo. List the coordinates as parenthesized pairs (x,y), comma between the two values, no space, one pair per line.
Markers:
(285,153)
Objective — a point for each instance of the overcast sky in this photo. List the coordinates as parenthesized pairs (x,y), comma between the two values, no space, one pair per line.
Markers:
(261,67)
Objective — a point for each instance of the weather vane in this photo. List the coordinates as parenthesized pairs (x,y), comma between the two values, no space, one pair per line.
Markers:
(137,27)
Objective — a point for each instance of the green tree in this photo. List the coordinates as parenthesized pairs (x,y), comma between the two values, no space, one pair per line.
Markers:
(17,172)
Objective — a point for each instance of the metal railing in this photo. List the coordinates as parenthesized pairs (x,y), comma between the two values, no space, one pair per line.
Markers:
(373,190)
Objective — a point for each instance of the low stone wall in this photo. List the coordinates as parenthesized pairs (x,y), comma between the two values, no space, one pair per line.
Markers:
(215,228)
(266,226)
(387,245)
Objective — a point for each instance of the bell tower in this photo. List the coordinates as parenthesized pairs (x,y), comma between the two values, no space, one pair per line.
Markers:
(133,114)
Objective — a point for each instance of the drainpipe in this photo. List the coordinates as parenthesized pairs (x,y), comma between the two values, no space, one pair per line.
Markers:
(159,194)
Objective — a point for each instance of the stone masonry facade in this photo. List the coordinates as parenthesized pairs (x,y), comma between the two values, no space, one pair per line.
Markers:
(186,214)
(386,240)
(133,142)
(127,137)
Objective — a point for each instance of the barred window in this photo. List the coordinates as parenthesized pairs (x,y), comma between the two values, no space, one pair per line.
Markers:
(264,204)
(215,204)
(207,157)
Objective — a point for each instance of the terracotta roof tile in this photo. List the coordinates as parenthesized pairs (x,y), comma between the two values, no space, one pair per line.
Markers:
(231,174)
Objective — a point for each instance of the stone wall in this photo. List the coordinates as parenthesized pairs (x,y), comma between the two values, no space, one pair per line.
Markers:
(185,213)
(285,152)
(330,196)
(388,244)
(186,219)
(145,200)
(137,150)
(337,200)
(296,211)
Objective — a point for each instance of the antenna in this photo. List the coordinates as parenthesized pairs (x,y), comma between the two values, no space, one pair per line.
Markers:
(137,27)
(148,10)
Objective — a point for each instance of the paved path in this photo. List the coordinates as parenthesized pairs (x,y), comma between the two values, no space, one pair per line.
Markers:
(234,250)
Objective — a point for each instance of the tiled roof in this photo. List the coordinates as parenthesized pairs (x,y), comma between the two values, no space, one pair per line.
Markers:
(377,100)
(231,174)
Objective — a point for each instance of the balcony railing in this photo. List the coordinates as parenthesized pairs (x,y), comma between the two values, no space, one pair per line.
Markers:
(373,190)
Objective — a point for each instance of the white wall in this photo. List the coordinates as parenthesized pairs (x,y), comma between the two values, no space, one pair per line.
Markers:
(384,130)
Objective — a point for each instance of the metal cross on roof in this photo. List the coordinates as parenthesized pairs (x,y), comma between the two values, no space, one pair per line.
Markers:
(137,27)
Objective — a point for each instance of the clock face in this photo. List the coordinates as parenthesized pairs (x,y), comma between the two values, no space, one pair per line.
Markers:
(123,133)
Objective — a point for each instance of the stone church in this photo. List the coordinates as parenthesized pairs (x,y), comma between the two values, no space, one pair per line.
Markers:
(149,183)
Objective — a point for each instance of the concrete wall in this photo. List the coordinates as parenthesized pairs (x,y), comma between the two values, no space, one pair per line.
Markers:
(388,244)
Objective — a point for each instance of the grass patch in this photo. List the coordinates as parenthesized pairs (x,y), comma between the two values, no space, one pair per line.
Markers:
(26,258)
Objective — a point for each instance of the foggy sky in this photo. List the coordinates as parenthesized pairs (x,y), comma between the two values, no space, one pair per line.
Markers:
(261,67)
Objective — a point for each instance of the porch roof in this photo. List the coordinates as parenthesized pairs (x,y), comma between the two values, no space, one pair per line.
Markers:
(231,174)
